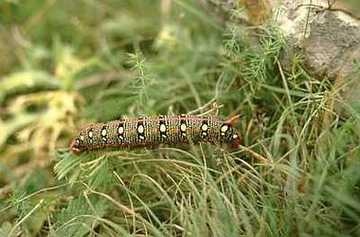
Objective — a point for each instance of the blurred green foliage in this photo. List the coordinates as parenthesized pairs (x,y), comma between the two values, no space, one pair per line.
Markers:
(67,63)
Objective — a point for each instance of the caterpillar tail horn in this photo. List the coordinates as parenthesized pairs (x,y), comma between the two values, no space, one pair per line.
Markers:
(233,120)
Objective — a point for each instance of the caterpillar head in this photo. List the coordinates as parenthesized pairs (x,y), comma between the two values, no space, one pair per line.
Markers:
(75,147)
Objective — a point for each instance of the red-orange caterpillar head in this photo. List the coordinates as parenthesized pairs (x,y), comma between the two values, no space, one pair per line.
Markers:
(75,146)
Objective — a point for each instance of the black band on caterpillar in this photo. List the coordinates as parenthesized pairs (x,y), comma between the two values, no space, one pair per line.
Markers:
(152,131)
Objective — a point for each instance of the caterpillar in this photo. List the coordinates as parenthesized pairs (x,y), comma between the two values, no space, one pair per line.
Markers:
(153,131)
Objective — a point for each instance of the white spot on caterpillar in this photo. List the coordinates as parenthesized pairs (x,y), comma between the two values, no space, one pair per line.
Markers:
(103,132)
(204,127)
(183,127)
(141,137)
(91,134)
(120,129)
(82,138)
(140,129)
(224,128)
(162,128)
(235,136)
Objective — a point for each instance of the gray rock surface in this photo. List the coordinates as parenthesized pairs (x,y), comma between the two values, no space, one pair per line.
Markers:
(328,39)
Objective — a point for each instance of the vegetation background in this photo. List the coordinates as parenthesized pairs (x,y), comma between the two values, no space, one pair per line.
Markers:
(67,63)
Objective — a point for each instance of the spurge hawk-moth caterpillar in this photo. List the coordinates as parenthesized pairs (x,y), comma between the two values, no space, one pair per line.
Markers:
(153,131)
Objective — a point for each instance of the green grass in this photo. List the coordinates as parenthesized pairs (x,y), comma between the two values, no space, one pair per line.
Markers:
(71,63)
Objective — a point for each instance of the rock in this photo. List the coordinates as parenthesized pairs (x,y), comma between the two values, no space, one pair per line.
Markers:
(329,40)
(328,37)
